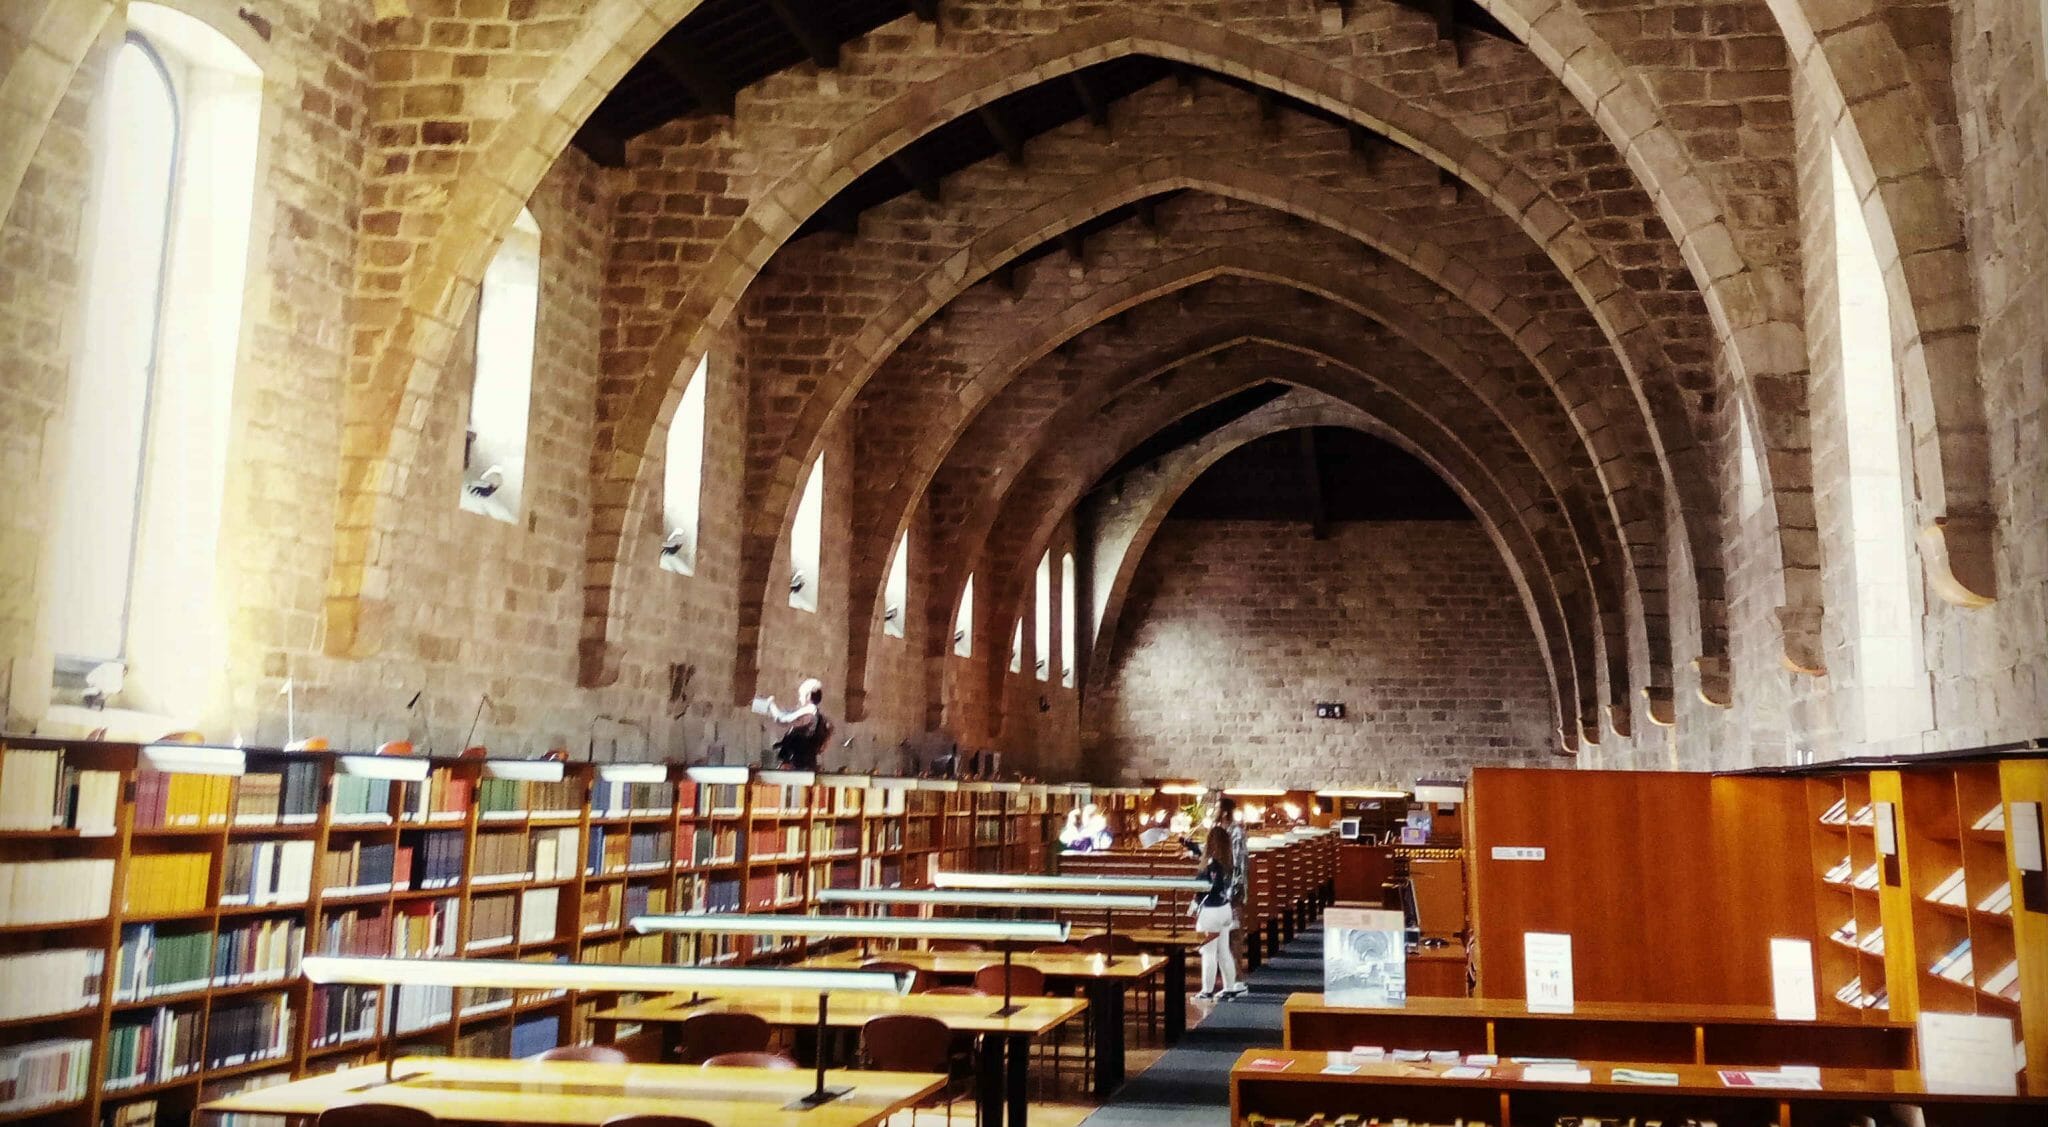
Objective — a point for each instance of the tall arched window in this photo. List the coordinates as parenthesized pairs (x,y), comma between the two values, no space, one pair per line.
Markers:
(896,592)
(805,535)
(501,398)
(1749,469)
(682,488)
(1894,694)
(165,246)
(1041,636)
(1017,647)
(1068,619)
(963,621)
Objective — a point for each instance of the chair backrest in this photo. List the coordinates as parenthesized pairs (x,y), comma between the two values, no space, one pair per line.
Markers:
(1023,980)
(655,1121)
(907,1043)
(954,945)
(917,975)
(706,1035)
(967,991)
(376,1115)
(776,1061)
(1111,944)
(597,1054)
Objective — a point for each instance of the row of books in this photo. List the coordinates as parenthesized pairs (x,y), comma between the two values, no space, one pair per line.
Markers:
(500,857)
(649,849)
(1950,891)
(1956,965)
(166,884)
(361,800)
(40,790)
(338,1015)
(437,860)
(363,868)
(357,931)
(176,800)
(511,799)
(835,837)
(1992,820)
(41,892)
(2005,982)
(535,1034)
(709,894)
(1999,901)
(153,962)
(774,889)
(631,950)
(44,1073)
(428,930)
(774,798)
(623,800)
(419,1007)
(443,797)
(713,845)
(775,843)
(267,872)
(1839,815)
(247,1030)
(259,951)
(492,921)
(273,798)
(555,853)
(151,1047)
(1853,994)
(40,983)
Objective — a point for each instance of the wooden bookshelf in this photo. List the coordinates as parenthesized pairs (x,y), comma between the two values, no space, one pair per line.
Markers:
(523,867)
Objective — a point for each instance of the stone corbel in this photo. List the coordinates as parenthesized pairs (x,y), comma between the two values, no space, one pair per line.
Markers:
(353,627)
(1620,718)
(1957,552)
(1567,742)
(1799,636)
(1714,687)
(597,663)
(1661,704)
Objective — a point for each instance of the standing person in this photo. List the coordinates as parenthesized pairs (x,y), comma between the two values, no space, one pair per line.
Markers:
(1215,918)
(1240,859)
(805,728)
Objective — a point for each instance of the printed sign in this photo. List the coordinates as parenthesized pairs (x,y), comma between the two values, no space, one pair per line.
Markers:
(1547,971)
(1518,852)
(1792,979)
(1365,958)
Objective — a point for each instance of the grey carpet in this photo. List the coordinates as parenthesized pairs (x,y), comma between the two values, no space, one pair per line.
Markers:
(1189,1085)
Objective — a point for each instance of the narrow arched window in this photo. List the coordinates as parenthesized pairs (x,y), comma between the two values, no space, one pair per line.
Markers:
(1749,469)
(133,611)
(896,592)
(1886,646)
(1017,647)
(1041,635)
(1068,619)
(963,621)
(682,488)
(805,535)
(501,398)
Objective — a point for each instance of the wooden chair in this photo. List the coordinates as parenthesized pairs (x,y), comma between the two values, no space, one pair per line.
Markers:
(1025,982)
(917,976)
(778,1061)
(376,1115)
(1106,943)
(915,1043)
(704,1036)
(596,1054)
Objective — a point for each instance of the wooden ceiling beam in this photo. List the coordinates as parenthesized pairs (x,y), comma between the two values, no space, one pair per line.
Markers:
(919,176)
(818,42)
(1000,132)
(1091,100)
(681,62)
(926,10)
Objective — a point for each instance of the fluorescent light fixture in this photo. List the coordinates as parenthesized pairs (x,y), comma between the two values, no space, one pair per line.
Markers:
(978,786)
(1441,793)
(786,778)
(396,768)
(524,770)
(1029,882)
(937,784)
(846,780)
(891,782)
(193,759)
(633,772)
(1256,792)
(972,898)
(1035,790)
(325,970)
(727,776)
(1006,788)
(1361,792)
(1176,788)
(856,927)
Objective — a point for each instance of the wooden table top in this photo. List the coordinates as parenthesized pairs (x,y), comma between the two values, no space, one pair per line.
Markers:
(1159,937)
(574,1093)
(1693,1079)
(965,1014)
(1674,1013)
(1129,967)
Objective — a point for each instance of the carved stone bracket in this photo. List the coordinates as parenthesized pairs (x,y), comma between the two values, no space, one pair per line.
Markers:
(1714,684)
(1799,635)
(1957,551)
(1661,704)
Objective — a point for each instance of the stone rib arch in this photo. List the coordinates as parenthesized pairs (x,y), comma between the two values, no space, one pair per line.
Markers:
(1557,584)
(1191,464)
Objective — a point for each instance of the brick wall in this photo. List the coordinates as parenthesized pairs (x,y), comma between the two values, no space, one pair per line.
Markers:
(1234,630)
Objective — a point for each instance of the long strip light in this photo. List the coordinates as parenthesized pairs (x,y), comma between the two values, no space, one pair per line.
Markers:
(524,770)
(1030,882)
(395,768)
(1361,792)
(972,898)
(351,970)
(195,759)
(857,927)
(1175,788)
(633,772)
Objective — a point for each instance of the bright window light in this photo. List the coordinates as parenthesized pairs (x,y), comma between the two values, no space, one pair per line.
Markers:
(1749,470)
(508,307)
(1068,621)
(963,622)
(1894,697)
(682,488)
(1041,635)
(1017,648)
(977,898)
(896,593)
(804,538)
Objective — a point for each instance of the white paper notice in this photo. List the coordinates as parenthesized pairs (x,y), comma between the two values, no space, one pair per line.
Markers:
(1792,979)
(2025,827)
(1547,971)
(1967,1053)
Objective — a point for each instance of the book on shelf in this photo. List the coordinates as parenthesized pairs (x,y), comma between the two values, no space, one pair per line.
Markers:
(245,1030)
(1955,965)
(44,892)
(649,849)
(39,791)
(1865,816)
(361,801)
(503,800)
(534,1034)
(357,931)
(258,951)
(1851,992)
(644,900)
(445,796)
(421,1007)
(154,960)
(491,921)
(427,929)
(1999,902)
(135,1113)
(267,872)
(1845,933)
(167,884)
(437,859)
(1867,879)
(1950,891)
(179,801)
(555,853)
(288,797)
(601,908)
(1992,820)
(1873,942)
(562,798)
(44,1073)
(365,868)
(500,858)
(42,983)
(537,910)
(151,1046)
